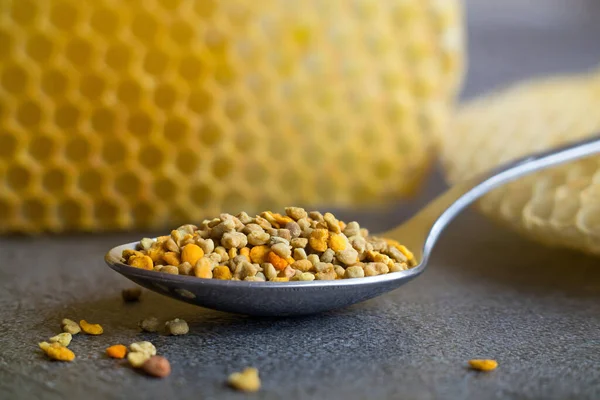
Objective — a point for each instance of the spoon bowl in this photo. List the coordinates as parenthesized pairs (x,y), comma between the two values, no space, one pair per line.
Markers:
(261,298)
(418,234)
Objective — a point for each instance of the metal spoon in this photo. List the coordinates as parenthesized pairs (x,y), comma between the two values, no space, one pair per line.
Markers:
(297,298)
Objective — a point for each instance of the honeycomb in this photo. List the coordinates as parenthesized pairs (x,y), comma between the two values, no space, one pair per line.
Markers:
(145,114)
(558,206)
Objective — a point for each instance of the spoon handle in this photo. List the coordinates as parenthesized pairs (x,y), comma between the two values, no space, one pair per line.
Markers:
(425,227)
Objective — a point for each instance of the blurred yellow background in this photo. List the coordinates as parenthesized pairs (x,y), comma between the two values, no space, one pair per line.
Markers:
(147,114)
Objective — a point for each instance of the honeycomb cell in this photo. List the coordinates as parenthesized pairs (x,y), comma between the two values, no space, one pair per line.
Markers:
(104,120)
(239,15)
(165,189)
(187,161)
(42,148)
(170,5)
(39,48)
(165,96)
(202,194)
(564,212)
(316,159)
(8,144)
(290,177)
(107,210)
(257,84)
(210,133)
(70,212)
(588,221)
(140,124)
(246,141)
(190,67)
(152,156)
(55,180)
(222,167)
(18,177)
(362,193)
(424,86)
(115,150)
(118,56)
(67,116)
(23,12)
(79,52)
(129,92)
(6,43)
(234,201)
(182,34)
(63,15)
(92,86)
(34,209)
(205,9)
(384,169)
(144,214)
(179,213)
(156,62)
(278,146)
(78,149)
(540,208)
(91,181)
(269,118)
(105,21)
(29,114)
(128,184)
(224,74)
(176,129)
(200,101)
(14,79)
(217,44)
(144,26)
(6,209)
(256,173)
(324,187)
(54,83)
(349,160)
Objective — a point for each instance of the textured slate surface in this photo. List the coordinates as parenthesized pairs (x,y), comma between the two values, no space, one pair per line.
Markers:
(487,292)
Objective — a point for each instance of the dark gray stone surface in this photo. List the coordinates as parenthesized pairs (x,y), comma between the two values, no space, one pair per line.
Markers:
(487,292)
